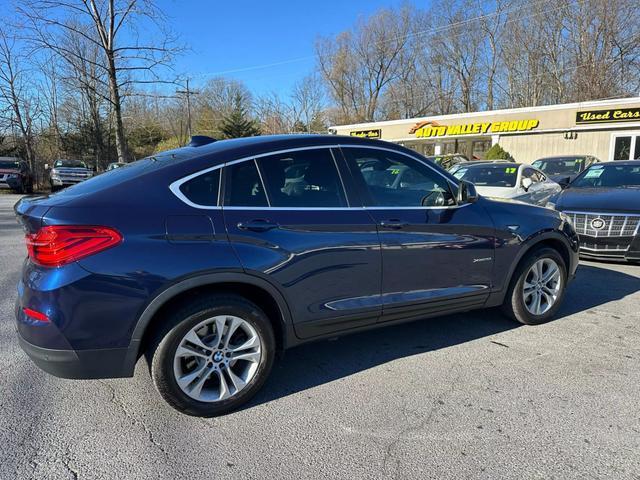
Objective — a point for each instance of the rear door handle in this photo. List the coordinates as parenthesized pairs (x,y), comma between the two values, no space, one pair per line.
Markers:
(393,224)
(257,225)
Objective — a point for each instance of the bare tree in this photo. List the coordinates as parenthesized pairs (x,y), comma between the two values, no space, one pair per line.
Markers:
(359,65)
(111,26)
(307,100)
(21,104)
(274,114)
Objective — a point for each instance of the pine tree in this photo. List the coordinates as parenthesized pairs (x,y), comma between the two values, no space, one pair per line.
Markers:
(237,122)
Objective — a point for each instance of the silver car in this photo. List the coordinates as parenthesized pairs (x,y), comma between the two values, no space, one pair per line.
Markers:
(68,172)
(509,180)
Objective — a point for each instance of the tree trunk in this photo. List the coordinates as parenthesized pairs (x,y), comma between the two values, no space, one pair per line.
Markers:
(121,141)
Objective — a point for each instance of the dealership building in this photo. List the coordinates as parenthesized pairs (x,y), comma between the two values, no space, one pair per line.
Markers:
(607,129)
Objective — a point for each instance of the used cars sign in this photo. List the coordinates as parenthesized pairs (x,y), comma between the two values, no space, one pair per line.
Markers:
(605,116)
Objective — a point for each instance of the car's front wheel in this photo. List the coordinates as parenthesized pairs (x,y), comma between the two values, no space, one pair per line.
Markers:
(537,287)
(213,355)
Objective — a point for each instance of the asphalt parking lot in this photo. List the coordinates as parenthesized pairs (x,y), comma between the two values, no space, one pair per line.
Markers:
(463,396)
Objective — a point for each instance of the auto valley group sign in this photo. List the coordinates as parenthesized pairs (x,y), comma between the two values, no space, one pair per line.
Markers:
(432,128)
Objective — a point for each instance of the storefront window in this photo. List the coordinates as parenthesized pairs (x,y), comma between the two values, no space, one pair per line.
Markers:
(636,153)
(480,147)
(622,148)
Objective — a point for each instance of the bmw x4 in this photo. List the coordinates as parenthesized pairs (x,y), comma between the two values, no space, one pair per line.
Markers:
(210,259)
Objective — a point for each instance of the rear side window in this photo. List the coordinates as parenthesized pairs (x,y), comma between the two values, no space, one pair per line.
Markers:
(244,186)
(305,178)
(203,189)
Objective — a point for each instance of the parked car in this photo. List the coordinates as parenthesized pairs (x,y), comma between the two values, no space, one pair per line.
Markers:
(603,203)
(68,172)
(16,175)
(453,169)
(447,161)
(203,260)
(509,180)
(563,169)
(113,165)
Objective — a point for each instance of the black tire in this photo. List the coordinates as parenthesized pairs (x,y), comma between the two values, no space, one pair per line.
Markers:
(514,302)
(177,325)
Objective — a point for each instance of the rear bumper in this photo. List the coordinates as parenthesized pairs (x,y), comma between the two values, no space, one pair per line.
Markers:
(81,364)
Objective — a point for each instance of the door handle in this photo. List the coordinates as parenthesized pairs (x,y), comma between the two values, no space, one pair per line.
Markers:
(257,225)
(393,224)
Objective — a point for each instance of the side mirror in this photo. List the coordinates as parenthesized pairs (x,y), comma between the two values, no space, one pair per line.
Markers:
(466,193)
(526,183)
(564,182)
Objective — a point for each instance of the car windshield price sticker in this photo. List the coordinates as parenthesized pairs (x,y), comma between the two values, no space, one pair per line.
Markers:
(510,170)
(594,173)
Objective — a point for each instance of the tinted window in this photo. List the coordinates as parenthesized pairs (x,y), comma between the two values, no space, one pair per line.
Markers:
(203,189)
(601,175)
(489,175)
(244,187)
(9,164)
(394,180)
(560,166)
(69,164)
(307,178)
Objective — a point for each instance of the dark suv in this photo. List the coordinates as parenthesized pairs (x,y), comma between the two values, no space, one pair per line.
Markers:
(16,175)
(211,258)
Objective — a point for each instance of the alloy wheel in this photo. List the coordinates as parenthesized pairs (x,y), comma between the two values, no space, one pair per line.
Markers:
(542,286)
(217,358)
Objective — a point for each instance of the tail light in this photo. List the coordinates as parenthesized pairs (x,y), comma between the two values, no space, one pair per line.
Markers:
(35,315)
(58,245)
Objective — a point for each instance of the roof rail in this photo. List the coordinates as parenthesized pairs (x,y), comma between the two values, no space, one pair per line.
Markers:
(200,140)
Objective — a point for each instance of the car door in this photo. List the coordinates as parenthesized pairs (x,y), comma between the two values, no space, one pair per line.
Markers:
(436,255)
(290,220)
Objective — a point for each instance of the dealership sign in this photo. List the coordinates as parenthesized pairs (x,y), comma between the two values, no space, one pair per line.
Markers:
(434,129)
(606,116)
(366,133)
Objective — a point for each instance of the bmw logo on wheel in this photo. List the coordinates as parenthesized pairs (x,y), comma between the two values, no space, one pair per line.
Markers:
(598,223)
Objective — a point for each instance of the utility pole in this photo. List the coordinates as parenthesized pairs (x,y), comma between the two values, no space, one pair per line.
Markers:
(188,93)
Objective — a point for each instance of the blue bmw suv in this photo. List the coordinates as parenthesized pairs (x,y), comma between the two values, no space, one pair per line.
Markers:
(211,258)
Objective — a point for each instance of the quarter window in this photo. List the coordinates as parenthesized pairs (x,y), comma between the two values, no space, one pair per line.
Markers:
(305,178)
(394,180)
(244,187)
(203,189)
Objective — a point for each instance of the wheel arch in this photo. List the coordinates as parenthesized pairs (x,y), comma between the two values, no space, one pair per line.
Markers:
(259,291)
(552,239)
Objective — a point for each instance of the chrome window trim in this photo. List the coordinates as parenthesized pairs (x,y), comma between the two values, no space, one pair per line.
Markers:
(264,185)
(175,185)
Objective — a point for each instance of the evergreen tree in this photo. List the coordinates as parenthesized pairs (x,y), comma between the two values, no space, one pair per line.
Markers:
(497,153)
(237,122)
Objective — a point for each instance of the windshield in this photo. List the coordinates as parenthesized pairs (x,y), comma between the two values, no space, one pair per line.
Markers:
(70,164)
(610,175)
(10,164)
(560,166)
(489,175)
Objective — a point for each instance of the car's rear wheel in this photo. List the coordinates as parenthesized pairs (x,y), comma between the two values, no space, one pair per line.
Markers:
(537,287)
(213,355)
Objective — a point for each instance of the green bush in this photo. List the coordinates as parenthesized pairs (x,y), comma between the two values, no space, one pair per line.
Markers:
(497,153)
